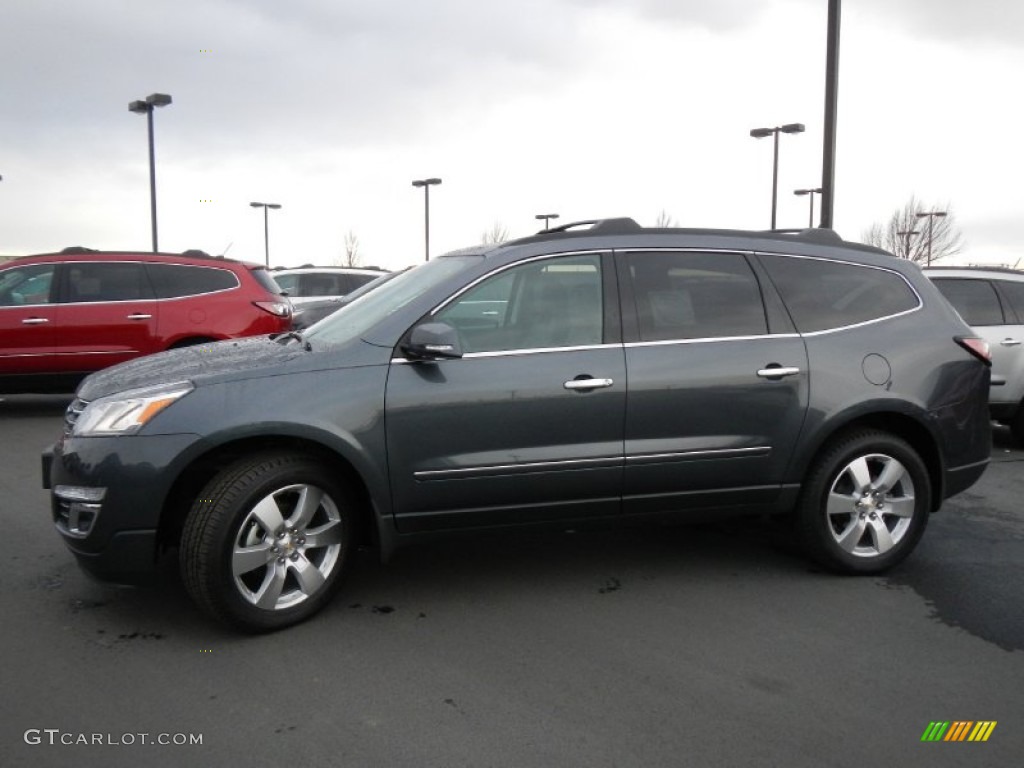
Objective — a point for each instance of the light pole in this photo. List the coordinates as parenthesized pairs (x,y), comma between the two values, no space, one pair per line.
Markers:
(145,107)
(931,217)
(812,193)
(546,217)
(760,133)
(266,230)
(426,184)
(906,234)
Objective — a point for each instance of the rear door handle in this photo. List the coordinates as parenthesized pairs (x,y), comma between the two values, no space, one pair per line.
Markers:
(777,372)
(1010,342)
(35,320)
(588,383)
(139,316)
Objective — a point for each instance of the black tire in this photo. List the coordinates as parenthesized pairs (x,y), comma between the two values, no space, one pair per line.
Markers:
(251,557)
(865,503)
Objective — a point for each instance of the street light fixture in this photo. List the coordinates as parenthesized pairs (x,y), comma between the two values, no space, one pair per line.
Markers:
(931,217)
(812,193)
(546,218)
(266,231)
(761,133)
(426,184)
(906,234)
(145,107)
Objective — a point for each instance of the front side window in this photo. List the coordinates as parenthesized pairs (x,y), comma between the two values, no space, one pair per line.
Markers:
(21,286)
(695,296)
(823,295)
(172,281)
(107,281)
(975,300)
(543,304)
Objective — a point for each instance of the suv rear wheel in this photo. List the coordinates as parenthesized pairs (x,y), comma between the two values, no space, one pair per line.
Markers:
(267,540)
(865,503)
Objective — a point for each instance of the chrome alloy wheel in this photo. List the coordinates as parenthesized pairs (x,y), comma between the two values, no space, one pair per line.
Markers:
(286,547)
(870,505)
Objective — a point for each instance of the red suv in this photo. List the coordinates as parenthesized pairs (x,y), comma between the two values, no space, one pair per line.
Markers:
(65,315)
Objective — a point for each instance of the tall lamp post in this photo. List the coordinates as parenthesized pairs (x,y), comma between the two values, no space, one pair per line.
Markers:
(931,217)
(760,133)
(546,217)
(266,229)
(906,234)
(426,184)
(811,193)
(145,107)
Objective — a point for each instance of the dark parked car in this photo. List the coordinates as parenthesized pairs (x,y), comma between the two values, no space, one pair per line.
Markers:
(991,301)
(580,375)
(65,315)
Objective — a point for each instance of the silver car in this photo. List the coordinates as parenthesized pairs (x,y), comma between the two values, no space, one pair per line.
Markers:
(991,301)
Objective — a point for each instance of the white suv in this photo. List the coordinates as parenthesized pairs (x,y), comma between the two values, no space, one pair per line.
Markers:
(304,284)
(991,301)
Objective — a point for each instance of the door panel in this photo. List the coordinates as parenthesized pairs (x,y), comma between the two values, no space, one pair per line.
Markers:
(27,319)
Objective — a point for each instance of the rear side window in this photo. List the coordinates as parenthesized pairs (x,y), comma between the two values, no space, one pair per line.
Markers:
(823,295)
(1014,293)
(106,281)
(172,281)
(975,300)
(695,296)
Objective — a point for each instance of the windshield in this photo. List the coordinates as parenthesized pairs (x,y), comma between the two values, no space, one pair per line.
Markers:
(354,319)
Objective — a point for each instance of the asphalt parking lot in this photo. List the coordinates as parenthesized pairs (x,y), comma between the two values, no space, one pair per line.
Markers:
(698,646)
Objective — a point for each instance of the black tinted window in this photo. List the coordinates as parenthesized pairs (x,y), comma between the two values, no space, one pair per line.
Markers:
(174,280)
(695,295)
(975,300)
(824,294)
(1014,293)
(543,304)
(107,281)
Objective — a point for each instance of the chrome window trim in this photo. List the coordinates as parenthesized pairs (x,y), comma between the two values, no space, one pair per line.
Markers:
(710,339)
(236,286)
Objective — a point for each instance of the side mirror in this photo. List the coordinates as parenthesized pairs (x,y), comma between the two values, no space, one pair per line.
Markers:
(433,341)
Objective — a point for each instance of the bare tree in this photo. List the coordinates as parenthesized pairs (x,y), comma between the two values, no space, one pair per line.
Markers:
(498,233)
(351,257)
(922,239)
(664,221)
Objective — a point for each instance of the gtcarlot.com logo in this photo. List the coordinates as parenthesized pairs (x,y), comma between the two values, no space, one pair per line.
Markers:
(55,736)
(958,730)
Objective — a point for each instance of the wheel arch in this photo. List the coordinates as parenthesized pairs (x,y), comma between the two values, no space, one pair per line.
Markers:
(900,424)
(202,467)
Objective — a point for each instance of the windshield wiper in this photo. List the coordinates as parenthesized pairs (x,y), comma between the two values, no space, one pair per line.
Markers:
(284,338)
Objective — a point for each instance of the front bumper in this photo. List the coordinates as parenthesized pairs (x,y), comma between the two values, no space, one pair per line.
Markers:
(107,495)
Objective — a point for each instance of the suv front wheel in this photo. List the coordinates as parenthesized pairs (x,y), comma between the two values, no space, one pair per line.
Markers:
(865,503)
(266,542)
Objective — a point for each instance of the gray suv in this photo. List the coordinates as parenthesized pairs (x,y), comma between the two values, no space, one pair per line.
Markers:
(583,375)
(991,301)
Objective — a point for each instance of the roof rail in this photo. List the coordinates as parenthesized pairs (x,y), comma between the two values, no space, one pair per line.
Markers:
(603,226)
(196,253)
(814,234)
(78,249)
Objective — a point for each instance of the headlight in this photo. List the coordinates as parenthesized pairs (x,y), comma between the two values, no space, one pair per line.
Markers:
(127,411)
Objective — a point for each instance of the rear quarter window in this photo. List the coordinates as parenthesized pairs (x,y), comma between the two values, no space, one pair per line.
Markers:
(975,300)
(171,281)
(824,295)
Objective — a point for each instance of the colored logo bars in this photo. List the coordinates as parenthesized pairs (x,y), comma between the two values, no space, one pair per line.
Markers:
(959,730)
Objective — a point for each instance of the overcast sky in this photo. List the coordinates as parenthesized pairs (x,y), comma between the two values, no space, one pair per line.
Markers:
(585,108)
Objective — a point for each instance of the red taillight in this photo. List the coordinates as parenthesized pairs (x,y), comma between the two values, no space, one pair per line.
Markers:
(276,308)
(977,347)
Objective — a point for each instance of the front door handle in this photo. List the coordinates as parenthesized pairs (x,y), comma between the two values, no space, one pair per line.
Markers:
(35,320)
(588,383)
(777,372)
(139,316)
(1010,343)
